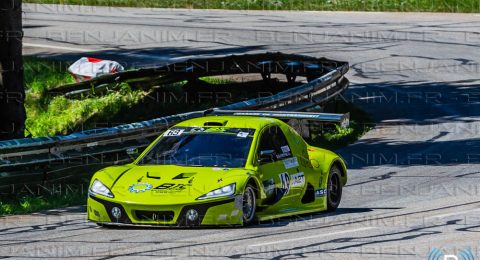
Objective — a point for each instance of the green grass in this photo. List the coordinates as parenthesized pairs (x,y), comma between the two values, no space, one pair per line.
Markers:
(217,80)
(466,6)
(47,116)
(63,116)
(336,137)
(30,203)
(41,74)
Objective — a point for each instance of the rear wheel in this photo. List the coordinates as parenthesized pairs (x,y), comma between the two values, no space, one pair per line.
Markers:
(249,204)
(334,189)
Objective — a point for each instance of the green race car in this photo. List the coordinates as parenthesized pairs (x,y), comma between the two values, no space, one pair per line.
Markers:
(219,170)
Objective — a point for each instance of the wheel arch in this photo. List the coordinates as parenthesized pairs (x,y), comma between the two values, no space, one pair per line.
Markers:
(343,169)
(256,184)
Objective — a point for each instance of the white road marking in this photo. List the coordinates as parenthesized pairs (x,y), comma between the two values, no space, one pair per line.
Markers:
(315,236)
(46,46)
(452,214)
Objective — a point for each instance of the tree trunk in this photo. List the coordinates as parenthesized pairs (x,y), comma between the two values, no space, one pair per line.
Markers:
(12,92)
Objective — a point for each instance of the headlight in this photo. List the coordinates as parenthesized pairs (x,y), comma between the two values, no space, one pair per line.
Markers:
(222,192)
(99,188)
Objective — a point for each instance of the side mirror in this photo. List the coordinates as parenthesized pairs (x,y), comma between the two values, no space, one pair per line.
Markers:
(266,156)
(133,151)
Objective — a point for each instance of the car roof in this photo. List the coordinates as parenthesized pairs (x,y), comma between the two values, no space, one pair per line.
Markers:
(254,122)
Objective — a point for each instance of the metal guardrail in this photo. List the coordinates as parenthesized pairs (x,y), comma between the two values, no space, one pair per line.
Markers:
(37,160)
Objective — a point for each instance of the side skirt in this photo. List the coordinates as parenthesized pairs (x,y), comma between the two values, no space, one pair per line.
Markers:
(295,211)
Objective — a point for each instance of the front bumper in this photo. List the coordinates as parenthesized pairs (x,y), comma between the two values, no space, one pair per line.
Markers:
(219,212)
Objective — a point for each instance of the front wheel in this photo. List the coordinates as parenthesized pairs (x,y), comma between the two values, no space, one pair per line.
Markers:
(249,204)
(334,189)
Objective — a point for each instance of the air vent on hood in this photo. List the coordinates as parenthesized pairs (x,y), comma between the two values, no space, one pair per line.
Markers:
(215,123)
(184,175)
(153,177)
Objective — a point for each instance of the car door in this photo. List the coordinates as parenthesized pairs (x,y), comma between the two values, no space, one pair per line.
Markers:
(308,177)
(282,182)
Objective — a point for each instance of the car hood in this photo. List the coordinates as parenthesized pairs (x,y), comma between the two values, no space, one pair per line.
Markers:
(170,184)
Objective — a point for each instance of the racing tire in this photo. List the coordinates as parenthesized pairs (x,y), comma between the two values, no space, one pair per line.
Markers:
(334,189)
(249,205)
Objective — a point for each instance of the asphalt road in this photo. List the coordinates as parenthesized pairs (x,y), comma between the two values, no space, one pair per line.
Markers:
(414,180)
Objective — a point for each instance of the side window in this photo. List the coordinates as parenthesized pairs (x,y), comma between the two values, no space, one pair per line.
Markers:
(274,139)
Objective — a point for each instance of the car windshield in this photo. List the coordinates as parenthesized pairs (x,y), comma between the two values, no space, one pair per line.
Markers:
(209,147)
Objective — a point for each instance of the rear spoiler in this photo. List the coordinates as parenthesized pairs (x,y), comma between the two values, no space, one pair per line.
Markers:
(342,119)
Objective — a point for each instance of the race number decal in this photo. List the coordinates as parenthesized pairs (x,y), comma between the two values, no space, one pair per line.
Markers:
(285,179)
(298,180)
(174,132)
(290,162)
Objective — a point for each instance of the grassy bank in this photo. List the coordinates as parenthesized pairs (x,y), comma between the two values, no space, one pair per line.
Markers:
(467,6)
(47,116)
(32,203)
(336,137)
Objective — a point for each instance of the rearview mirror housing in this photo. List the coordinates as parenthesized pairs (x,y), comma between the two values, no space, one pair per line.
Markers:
(266,156)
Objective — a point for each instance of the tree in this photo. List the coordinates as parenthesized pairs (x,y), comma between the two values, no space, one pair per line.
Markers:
(12,92)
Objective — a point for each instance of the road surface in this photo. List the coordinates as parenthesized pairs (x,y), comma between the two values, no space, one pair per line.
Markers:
(414,180)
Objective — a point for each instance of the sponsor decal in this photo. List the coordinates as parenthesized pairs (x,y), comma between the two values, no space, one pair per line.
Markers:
(283,155)
(217,129)
(285,180)
(290,162)
(197,129)
(285,149)
(140,187)
(242,134)
(298,180)
(174,132)
(320,193)
(170,187)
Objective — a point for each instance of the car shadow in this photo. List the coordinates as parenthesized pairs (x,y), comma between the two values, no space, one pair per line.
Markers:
(300,218)
(279,222)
